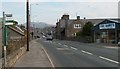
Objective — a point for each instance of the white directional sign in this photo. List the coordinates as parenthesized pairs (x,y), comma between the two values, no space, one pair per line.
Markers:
(9,23)
(107,26)
(9,18)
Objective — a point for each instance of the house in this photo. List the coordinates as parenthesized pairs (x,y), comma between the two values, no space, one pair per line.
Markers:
(66,28)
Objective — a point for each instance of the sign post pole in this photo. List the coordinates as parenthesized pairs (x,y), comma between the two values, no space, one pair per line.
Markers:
(5,34)
(4,27)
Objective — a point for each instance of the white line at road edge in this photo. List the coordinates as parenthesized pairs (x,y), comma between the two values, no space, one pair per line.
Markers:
(86,52)
(108,59)
(49,58)
(74,48)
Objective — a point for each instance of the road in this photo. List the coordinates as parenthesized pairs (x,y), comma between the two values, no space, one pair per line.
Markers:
(75,54)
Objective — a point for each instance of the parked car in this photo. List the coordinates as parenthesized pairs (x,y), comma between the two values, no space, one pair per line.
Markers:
(119,43)
(49,37)
(43,36)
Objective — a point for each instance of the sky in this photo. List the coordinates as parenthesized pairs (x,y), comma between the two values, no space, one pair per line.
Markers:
(49,11)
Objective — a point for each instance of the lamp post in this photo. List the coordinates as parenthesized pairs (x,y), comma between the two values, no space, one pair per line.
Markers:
(31,20)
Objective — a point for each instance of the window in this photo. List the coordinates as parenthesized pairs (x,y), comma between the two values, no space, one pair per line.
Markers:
(77,25)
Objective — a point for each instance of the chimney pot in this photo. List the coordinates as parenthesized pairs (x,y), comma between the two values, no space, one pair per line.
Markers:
(78,17)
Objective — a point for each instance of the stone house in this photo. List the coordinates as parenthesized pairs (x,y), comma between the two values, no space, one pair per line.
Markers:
(67,28)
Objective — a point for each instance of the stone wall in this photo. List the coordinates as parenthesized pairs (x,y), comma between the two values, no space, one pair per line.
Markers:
(12,58)
(16,46)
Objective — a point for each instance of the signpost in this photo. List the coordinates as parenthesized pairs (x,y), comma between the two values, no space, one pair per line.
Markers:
(5,33)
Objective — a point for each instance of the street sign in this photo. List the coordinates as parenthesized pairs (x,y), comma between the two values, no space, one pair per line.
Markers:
(8,15)
(107,26)
(10,23)
(9,18)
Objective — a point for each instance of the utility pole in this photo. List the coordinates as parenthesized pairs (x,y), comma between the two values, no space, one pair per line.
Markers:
(28,24)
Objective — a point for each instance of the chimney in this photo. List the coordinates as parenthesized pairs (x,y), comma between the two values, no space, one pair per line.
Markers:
(65,16)
(78,17)
(84,17)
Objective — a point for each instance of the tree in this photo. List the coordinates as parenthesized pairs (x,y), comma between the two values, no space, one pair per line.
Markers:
(86,31)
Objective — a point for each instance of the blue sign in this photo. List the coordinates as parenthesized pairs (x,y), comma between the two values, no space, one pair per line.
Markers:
(107,26)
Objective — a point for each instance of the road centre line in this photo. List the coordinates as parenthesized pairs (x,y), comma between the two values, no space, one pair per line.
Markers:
(65,45)
(59,43)
(86,52)
(108,59)
(74,48)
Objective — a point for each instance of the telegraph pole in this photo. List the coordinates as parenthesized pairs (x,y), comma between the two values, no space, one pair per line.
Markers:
(28,24)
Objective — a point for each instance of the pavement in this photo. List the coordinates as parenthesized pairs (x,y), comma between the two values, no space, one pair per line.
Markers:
(35,57)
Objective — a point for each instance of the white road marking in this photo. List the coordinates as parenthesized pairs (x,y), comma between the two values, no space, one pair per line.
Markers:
(111,47)
(86,52)
(65,45)
(59,43)
(49,58)
(46,41)
(108,59)
(34,42)
(74,48)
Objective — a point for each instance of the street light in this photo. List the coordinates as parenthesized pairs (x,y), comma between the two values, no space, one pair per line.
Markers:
(31,18)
